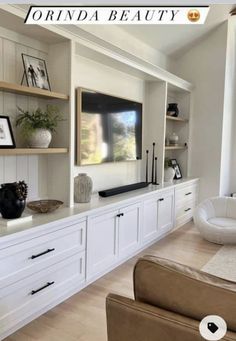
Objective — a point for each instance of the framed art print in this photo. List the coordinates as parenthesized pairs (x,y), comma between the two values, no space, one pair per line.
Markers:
(6,134)
(178,174)
(35,71)
(175,166)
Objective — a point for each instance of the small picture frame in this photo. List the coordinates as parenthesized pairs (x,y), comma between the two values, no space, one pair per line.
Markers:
(35,72)
(6,135)
(175,166)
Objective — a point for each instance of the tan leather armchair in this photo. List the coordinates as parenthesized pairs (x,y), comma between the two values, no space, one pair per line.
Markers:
(170,301)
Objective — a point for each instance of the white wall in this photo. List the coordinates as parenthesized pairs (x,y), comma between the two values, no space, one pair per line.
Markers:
(228,139)
(232,184)
(14,168)
(98,77)
(228,162)
(204,66)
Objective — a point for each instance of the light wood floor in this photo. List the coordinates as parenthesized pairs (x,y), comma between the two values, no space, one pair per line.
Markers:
(82,317)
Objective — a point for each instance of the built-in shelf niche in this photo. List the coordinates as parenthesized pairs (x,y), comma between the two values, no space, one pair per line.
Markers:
(47,171)
(179,125)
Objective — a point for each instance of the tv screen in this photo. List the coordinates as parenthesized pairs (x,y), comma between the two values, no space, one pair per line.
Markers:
(110,128)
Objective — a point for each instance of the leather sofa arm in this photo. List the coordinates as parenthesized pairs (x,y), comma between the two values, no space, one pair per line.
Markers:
(183,290)
(129,320)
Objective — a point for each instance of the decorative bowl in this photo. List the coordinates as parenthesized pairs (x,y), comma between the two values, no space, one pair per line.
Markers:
(44,206)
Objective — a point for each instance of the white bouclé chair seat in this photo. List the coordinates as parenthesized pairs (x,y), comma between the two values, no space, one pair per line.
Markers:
(215,219)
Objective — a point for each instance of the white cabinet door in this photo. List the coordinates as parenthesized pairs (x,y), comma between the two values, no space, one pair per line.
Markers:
(101,243)
(165,214)
(150,220)
(129,229)
(158,216)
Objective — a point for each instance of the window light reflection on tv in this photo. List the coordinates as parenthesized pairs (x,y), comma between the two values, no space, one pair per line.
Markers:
(111,129)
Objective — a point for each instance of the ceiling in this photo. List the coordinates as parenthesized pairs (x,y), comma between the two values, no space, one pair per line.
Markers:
(175,39)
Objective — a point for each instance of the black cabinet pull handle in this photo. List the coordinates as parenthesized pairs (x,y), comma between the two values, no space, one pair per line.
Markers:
(120,215)
(188,193)
(188,209)
(42,253)
(162,199)
(33,292)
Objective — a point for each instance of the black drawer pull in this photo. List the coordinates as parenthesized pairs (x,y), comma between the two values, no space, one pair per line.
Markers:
(162,199)
(188,209)
(42,253)
(120,215)
(188,193)
(33,292)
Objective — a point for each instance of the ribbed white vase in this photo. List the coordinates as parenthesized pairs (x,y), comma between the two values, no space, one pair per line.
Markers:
(40,138)
(83,188)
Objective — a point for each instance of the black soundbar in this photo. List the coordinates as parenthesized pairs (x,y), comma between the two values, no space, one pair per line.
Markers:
(122,189)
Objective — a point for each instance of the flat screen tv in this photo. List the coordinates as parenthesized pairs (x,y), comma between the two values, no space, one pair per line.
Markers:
(109,128)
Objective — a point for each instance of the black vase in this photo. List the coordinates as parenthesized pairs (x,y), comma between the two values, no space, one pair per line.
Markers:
(173,110)
(12,202)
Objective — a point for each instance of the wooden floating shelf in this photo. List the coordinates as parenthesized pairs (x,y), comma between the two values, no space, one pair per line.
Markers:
(177,119)
(175,147)
(32,151)
(30,91)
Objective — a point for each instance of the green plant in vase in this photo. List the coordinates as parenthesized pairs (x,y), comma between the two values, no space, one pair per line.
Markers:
(38,125)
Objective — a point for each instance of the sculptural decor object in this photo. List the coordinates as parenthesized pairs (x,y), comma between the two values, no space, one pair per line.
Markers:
(83,188)
(12,199)
(173,110)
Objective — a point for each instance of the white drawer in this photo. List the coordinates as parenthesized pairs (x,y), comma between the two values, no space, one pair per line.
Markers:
(23,259)
(186,208)
(184,213)
(22,299)
(186,193)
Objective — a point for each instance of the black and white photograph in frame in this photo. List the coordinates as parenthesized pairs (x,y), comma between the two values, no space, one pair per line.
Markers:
(6,134)
(35,72)
(178,174)
(175,166)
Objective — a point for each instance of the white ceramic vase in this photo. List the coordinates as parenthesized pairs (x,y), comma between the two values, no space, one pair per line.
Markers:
(169,174)
(40,138)
(83,188)
(173,139)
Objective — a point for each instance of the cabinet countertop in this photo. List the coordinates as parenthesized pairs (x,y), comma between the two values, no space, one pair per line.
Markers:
(81,211)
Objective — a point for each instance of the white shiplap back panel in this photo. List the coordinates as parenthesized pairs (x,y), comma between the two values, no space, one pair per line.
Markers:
(15,168)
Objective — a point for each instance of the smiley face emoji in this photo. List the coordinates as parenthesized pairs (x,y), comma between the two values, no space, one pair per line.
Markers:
(193,15)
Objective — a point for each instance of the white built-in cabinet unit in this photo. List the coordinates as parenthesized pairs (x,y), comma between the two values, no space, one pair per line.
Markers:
(48,260)
(45,261)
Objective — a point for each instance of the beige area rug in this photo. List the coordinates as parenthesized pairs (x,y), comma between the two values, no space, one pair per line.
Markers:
(223,264)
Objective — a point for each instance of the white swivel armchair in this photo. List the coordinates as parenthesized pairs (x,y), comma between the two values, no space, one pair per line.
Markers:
(215,219)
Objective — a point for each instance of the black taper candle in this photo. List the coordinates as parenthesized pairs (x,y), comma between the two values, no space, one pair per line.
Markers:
(147,151)
(155,178)
(153,156)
